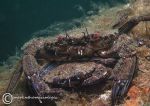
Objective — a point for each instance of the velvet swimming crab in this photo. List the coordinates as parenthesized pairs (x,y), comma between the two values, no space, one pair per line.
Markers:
(75,62)
(86,58)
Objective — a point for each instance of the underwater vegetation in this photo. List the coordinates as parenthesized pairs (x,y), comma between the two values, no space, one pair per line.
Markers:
(139,92)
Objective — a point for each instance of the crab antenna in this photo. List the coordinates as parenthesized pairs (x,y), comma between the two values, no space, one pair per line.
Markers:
(67,35)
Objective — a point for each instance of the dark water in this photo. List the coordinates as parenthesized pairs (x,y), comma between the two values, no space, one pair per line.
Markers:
(20,18)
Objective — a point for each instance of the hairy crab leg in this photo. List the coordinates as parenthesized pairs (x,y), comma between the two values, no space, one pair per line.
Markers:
(15,78)
(123,75)
(30,66)
(129,25)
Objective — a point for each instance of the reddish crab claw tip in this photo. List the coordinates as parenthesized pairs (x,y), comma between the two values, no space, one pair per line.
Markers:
(95,36)
(97,33)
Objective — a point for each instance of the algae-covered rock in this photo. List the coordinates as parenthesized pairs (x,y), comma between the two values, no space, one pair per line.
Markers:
(134,9)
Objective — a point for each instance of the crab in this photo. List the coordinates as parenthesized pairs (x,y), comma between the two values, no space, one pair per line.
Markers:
(53,67)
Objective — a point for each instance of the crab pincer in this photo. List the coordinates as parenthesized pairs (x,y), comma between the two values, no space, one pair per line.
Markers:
(99,74)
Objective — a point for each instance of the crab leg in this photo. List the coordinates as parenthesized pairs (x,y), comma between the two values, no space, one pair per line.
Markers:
(30,66)
(129,25)
(32,69)
(123,75)
(15,78)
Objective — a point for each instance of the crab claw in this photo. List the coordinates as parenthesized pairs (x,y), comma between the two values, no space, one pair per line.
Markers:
(101,73)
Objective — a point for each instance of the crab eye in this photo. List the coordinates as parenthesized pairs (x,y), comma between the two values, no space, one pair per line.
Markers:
(29,77)
(148,58)
(140,43)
